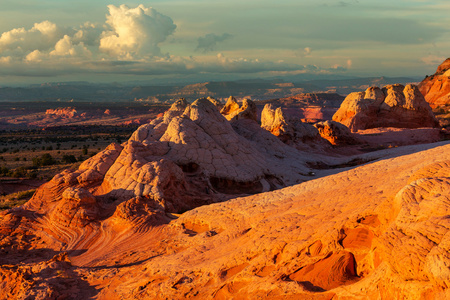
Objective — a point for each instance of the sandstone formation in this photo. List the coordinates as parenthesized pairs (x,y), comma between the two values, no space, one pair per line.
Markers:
(190,156)
(147,219)
(392,106)
(232,111)
(336,133)
(352,235)
(216,102)
(436,88)
(290,129)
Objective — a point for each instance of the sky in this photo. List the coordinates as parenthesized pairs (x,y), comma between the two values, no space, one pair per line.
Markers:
(105,41)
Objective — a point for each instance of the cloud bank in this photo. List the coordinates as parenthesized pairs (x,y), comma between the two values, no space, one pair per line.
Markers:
(128,43)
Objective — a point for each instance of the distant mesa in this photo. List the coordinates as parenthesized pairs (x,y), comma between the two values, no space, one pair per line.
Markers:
(393,106)
(307,100)
(436,88)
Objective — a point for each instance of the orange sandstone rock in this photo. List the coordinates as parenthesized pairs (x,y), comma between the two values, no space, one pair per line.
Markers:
(337,133)
(131,222)
(436,88)
(232,111)
(393,106)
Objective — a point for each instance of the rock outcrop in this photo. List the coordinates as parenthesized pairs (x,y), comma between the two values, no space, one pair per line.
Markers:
(290,129)
(392,106)
(436,88)
(216,102)
(336,133)
(232,111)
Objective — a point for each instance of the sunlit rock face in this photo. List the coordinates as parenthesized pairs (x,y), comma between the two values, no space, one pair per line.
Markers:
(436,88)
(393,106)
(337,134)
(233,111)
(351,235)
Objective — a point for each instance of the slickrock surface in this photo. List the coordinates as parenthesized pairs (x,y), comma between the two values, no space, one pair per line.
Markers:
(352,235)
(436,88)
(394,137)
(392,106)
(148,219)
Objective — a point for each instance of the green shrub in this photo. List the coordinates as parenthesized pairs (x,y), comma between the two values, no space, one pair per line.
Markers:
(19,172)
(45,160)
(69,159)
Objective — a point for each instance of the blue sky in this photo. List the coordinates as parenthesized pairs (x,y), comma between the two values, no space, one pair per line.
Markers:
(57,40)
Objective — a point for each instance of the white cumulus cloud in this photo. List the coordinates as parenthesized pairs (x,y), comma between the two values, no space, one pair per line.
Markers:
(42,36)
(89,34)
(65,47)
(135,32)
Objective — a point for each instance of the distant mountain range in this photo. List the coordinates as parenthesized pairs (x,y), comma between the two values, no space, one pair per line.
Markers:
(256,89)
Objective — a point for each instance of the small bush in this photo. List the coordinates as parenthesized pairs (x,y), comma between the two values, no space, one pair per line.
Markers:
(19,172)
(69,159)
(45,160)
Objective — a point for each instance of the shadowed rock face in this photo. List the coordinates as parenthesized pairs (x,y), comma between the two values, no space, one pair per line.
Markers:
(393,106)
(436,88)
